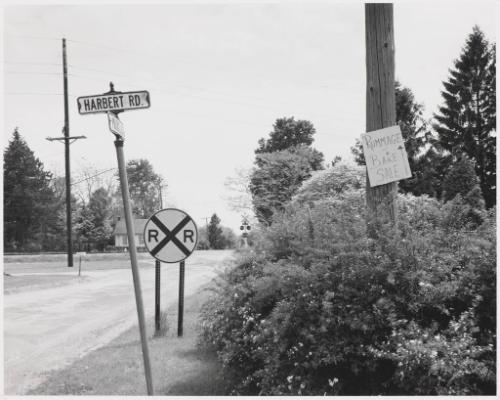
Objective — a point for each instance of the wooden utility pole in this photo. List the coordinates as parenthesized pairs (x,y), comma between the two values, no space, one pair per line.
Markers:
(380,97)
(67,139)
(66,159)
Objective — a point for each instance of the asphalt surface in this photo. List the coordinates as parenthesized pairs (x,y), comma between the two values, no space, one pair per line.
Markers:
(47,329)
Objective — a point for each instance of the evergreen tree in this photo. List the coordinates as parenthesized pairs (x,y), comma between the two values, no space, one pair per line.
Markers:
(215,234)
(461,187)
(466,121)
(427,161)
(460,179)
(29,201)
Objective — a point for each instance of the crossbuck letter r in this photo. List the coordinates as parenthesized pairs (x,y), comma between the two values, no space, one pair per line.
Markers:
(152,233)
(188,234)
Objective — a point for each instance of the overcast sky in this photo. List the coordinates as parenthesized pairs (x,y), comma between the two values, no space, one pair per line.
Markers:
(219,75)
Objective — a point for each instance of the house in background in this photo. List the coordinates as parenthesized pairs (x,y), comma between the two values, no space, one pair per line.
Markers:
(120,234)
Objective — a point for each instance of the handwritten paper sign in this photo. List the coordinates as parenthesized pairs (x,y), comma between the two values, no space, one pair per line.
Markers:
(385,155)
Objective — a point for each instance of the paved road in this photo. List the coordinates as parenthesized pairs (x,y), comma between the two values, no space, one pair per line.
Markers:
(49,328)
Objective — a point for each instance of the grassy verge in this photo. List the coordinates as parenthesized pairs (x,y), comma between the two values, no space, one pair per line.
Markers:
(179,368)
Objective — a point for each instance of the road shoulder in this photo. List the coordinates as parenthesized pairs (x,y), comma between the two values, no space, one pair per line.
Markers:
(179,367)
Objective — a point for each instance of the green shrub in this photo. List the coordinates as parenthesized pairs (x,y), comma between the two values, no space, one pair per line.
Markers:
(323,309)
(331,182)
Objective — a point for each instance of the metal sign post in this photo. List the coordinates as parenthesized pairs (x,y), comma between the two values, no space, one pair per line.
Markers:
(157,296)
(157,283)
(180,314)
(99,104)
(133,260)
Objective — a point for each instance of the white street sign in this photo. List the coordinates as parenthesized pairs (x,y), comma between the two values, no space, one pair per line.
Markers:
(115,125)
(385,156)
(170,235)
(113,102)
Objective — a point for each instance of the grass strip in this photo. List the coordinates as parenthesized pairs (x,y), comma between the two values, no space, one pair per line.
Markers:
(178,366)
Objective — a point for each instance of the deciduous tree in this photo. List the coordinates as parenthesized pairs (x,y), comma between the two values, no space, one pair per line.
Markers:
(287,133)
(278,178)
(144,185)
(282,162)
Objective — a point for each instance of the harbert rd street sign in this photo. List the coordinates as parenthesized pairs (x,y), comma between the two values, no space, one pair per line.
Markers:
(170,235)
(116,102)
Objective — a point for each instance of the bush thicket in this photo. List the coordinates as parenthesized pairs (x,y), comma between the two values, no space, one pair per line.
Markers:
(321,308)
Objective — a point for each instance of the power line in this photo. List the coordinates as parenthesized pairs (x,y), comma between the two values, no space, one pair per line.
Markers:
(32,37)
(231,98)
(31,63)
(105,72)
(34,73)
(82,175)
(107,47)
(93,176)
(35,94)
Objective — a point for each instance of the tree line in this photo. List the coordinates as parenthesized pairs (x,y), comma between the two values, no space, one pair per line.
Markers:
(34,203)
(460,139)
(35,212)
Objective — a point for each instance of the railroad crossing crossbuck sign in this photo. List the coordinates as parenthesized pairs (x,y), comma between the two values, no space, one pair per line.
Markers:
(170,235)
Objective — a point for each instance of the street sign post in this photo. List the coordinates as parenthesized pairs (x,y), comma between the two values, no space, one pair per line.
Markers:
(385,156)
(115,102)
(170,235)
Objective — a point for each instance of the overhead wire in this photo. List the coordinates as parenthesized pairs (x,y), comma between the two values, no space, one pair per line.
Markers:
(217,93)
(93,176)
(31,63)
(168,90)
(34,73)
(32,37)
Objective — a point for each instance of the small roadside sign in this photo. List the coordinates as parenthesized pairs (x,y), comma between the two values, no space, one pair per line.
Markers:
(170,235)
(116,102)
(385,156)
(115,125)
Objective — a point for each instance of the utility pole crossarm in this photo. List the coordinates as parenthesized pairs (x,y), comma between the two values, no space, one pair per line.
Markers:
(51,139)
